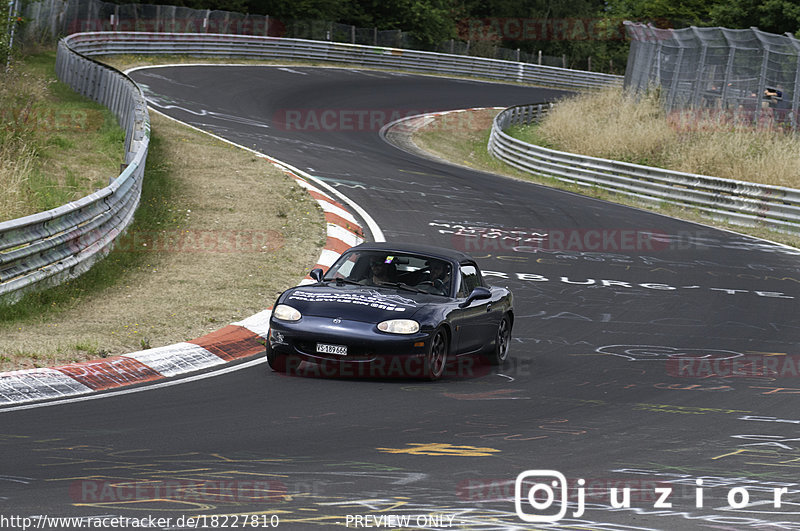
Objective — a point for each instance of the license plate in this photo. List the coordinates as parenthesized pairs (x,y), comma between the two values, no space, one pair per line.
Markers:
(339,350)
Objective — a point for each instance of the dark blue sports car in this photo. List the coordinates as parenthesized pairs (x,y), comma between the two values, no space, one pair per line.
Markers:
(386,310)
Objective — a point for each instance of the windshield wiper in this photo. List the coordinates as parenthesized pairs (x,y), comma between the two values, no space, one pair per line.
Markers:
(341,281)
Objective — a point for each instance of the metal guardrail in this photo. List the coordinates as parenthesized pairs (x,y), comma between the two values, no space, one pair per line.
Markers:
(735,201)
(255,47)
(47,248)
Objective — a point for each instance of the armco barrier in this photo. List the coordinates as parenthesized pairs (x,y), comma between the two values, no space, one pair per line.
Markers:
(49,247)
(735,201)
(46,248)
(254,47)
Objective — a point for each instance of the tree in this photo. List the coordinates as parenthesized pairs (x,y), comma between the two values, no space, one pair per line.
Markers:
(775,16)
(663,13)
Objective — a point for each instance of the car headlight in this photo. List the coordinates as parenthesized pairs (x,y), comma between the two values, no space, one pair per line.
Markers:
(399,326)
(284,312)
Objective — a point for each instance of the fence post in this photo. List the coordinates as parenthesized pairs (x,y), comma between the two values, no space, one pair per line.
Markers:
(673,86)
(657,51)
(762,78)
(796,89)
(701,66)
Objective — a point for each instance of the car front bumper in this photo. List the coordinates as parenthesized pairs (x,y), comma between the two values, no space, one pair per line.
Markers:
(370,352)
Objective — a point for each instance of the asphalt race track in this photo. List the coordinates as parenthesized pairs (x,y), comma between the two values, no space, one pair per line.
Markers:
(647,354)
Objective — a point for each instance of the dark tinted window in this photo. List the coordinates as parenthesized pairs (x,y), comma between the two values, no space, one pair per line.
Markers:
(427,274)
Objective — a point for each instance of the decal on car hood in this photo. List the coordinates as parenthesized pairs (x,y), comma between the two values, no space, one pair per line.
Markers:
(364,297)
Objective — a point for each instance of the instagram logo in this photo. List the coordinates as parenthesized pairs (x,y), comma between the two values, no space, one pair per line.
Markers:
(536,491)
(539,488)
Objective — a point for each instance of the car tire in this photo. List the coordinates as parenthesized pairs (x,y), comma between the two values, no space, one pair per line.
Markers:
(276,362)
(436,357)
(502,342)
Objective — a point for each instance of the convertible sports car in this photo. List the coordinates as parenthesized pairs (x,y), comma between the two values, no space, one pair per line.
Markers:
(387,310)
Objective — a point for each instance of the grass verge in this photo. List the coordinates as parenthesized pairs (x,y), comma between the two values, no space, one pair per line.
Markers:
(611,125)
(55,145)
(219,233)
(462,139)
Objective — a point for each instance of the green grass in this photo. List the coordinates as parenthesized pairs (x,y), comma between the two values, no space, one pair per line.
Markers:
(153,214)
(529,134)
(55,145)
(138,298)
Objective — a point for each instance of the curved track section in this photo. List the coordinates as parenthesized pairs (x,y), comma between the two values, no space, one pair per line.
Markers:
(648,353)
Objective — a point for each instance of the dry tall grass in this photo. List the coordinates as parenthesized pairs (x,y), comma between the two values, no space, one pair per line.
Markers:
(17,152)
(745,153)
(609,124)
(16,163)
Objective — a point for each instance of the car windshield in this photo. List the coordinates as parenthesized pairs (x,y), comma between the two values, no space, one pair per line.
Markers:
(381,268)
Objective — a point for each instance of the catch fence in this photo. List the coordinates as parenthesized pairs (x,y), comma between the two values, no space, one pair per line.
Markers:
(741,75)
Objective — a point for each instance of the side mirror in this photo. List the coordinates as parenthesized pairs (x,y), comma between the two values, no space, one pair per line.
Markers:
(317,274)
(477,294)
